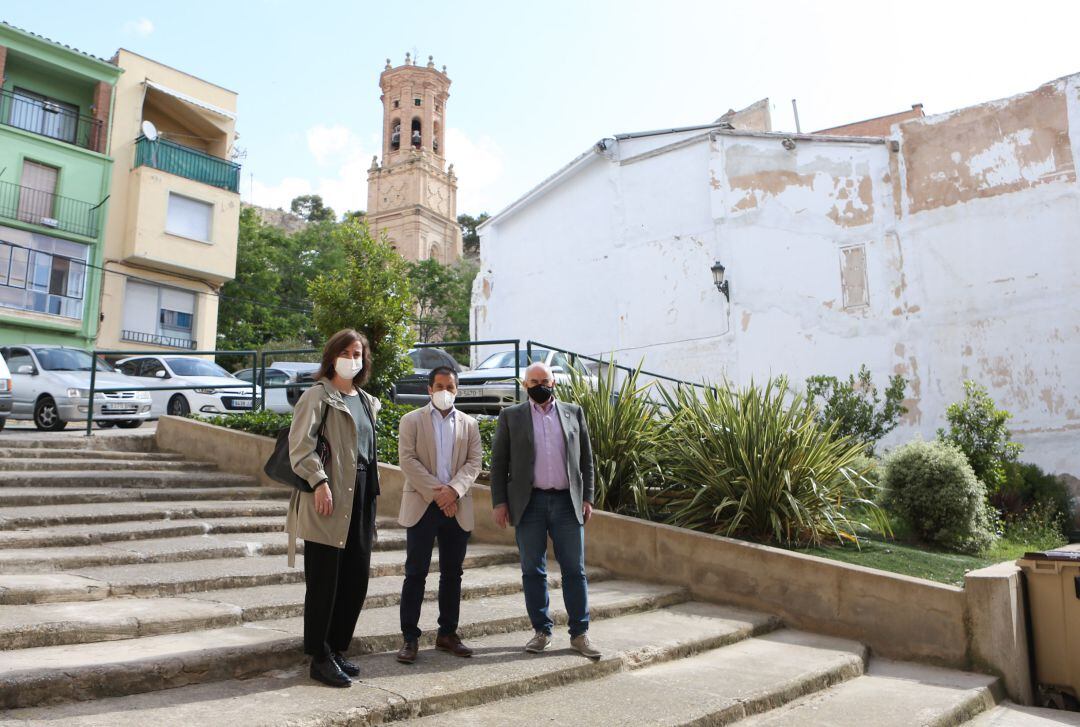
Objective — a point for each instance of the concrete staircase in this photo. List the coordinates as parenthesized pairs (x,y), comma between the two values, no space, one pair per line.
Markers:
(139,588)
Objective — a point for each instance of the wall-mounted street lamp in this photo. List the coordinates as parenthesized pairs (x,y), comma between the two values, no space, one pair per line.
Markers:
(718,280)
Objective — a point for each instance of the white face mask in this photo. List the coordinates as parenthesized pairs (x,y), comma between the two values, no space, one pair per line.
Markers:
(443,400)
(348,368)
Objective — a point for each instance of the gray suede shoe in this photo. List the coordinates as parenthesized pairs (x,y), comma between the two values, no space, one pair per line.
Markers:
(538,643)
(584,646)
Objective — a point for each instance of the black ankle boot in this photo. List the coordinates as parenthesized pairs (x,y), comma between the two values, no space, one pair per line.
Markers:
(325,670)
(345,665)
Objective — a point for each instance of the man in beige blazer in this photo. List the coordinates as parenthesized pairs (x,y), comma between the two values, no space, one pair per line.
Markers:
(440,454)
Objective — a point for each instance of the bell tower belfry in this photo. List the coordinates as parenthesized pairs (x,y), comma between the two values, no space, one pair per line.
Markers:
(411,198)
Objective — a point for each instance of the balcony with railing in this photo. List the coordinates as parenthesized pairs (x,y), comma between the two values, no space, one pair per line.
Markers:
(183,161)
(46,209)
(156,339)
(53,119)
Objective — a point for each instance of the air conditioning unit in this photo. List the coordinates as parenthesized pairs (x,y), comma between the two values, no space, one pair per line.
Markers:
(50,222)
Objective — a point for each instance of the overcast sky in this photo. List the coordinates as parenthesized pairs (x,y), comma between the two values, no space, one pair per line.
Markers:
(535,84)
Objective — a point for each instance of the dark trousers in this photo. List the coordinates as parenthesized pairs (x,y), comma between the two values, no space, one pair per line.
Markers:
(419,541)
(337,579)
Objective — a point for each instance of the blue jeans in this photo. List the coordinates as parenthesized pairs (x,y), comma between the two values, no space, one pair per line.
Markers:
(552,513)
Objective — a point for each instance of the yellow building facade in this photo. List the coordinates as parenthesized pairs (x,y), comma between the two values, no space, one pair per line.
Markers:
(171,236)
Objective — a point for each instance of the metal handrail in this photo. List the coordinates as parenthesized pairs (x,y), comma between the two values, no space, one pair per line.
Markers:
(47,209)
(610,362)
(48,118)
(116,389)
(183,161)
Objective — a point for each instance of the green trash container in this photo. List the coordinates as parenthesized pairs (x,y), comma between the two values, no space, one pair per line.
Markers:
(1053,592)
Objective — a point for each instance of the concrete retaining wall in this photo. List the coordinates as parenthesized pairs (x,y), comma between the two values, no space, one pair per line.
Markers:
(978,627)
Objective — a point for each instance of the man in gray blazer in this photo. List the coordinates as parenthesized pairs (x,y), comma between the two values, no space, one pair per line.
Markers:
(542,484)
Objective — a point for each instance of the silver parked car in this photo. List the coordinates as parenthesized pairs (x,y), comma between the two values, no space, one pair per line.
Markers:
(52,387)
(278,373)
(489,388)
(224,393)
(5,392)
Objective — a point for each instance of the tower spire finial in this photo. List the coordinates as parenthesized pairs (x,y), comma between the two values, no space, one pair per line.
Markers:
(431,61)
(388,66)
(407,61)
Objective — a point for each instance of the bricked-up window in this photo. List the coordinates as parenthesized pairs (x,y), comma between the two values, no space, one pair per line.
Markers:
(853,276)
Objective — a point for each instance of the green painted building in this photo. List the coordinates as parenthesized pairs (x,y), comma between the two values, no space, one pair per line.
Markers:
(55,175)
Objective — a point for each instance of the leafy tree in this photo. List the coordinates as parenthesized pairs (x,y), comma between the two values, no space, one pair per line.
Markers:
(354,216)
(443,295)
(470,238)
(370,293)
(856,406)
(311,208)
(255,307)
(980,431)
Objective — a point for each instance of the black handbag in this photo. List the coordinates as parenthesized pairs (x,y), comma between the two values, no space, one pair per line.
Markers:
(279,466)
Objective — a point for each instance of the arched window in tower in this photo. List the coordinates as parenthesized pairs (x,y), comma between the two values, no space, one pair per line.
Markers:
(435,138)
(395,135)
(416,133)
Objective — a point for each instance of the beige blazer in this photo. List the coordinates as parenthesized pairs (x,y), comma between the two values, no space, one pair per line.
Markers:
(417,458)
(319,401)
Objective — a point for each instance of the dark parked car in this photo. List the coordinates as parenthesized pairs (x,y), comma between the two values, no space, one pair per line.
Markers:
(413,388)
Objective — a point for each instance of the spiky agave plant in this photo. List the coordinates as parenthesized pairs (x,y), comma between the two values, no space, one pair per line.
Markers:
(755,463)
(626,432)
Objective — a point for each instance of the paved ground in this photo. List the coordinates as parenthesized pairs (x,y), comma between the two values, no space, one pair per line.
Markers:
(138,588)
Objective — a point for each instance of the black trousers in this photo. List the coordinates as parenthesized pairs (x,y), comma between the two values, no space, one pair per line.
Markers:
(337,578)
(419,542)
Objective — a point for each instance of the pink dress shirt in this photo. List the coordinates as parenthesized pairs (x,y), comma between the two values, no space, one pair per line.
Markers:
(549,469)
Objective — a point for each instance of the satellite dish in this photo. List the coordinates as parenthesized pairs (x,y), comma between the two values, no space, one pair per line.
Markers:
(149,130)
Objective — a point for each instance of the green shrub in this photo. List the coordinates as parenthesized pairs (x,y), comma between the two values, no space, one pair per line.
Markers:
(487,435)
(626,433)
(855,406)
(757,463)
(1027,486)
(978,428)
(1037,528)
(933,488)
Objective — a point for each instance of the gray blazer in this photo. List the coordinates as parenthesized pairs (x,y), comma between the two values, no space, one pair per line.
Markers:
(513,457)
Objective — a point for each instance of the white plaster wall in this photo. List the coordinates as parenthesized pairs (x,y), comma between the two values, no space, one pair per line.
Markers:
(986,289)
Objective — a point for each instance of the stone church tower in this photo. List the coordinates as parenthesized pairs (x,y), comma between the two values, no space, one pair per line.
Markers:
(411,197)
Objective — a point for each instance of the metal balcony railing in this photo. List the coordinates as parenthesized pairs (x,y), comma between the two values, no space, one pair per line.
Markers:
(156,340)
(45,117)
(46,209)
(168,156)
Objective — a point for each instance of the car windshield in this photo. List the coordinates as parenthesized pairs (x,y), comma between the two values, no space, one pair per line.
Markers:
(68,359)
(505,360)
(196,367)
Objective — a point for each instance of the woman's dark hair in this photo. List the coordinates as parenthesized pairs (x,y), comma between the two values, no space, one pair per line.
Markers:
(336,346)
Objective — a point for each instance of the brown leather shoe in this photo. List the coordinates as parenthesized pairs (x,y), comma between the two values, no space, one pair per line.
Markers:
(453,644)
(407,653)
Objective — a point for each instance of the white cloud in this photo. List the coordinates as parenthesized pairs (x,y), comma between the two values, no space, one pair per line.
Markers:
(478,165)
(141,27)
(344,188)
(325,142)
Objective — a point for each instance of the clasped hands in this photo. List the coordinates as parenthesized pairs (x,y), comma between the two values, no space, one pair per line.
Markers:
(446,497)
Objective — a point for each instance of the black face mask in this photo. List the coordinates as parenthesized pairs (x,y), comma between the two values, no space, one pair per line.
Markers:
(540,393)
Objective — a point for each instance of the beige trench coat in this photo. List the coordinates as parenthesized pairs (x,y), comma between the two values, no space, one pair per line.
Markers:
(340,430)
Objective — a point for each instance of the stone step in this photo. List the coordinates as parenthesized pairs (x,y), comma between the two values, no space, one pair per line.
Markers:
(1008,714)
(73,439)
(53,624)
(164,550)
(148,580)
(16,496)
(24,453)
(30,677)
(891,694)
(98,514)
(59,467)
(72,535)
(716,687)
(142,479)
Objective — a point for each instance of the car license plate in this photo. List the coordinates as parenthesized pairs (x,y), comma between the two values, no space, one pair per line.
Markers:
(242,403)
(116,407)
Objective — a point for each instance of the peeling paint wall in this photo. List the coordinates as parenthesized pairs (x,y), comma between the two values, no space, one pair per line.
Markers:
(954,256)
